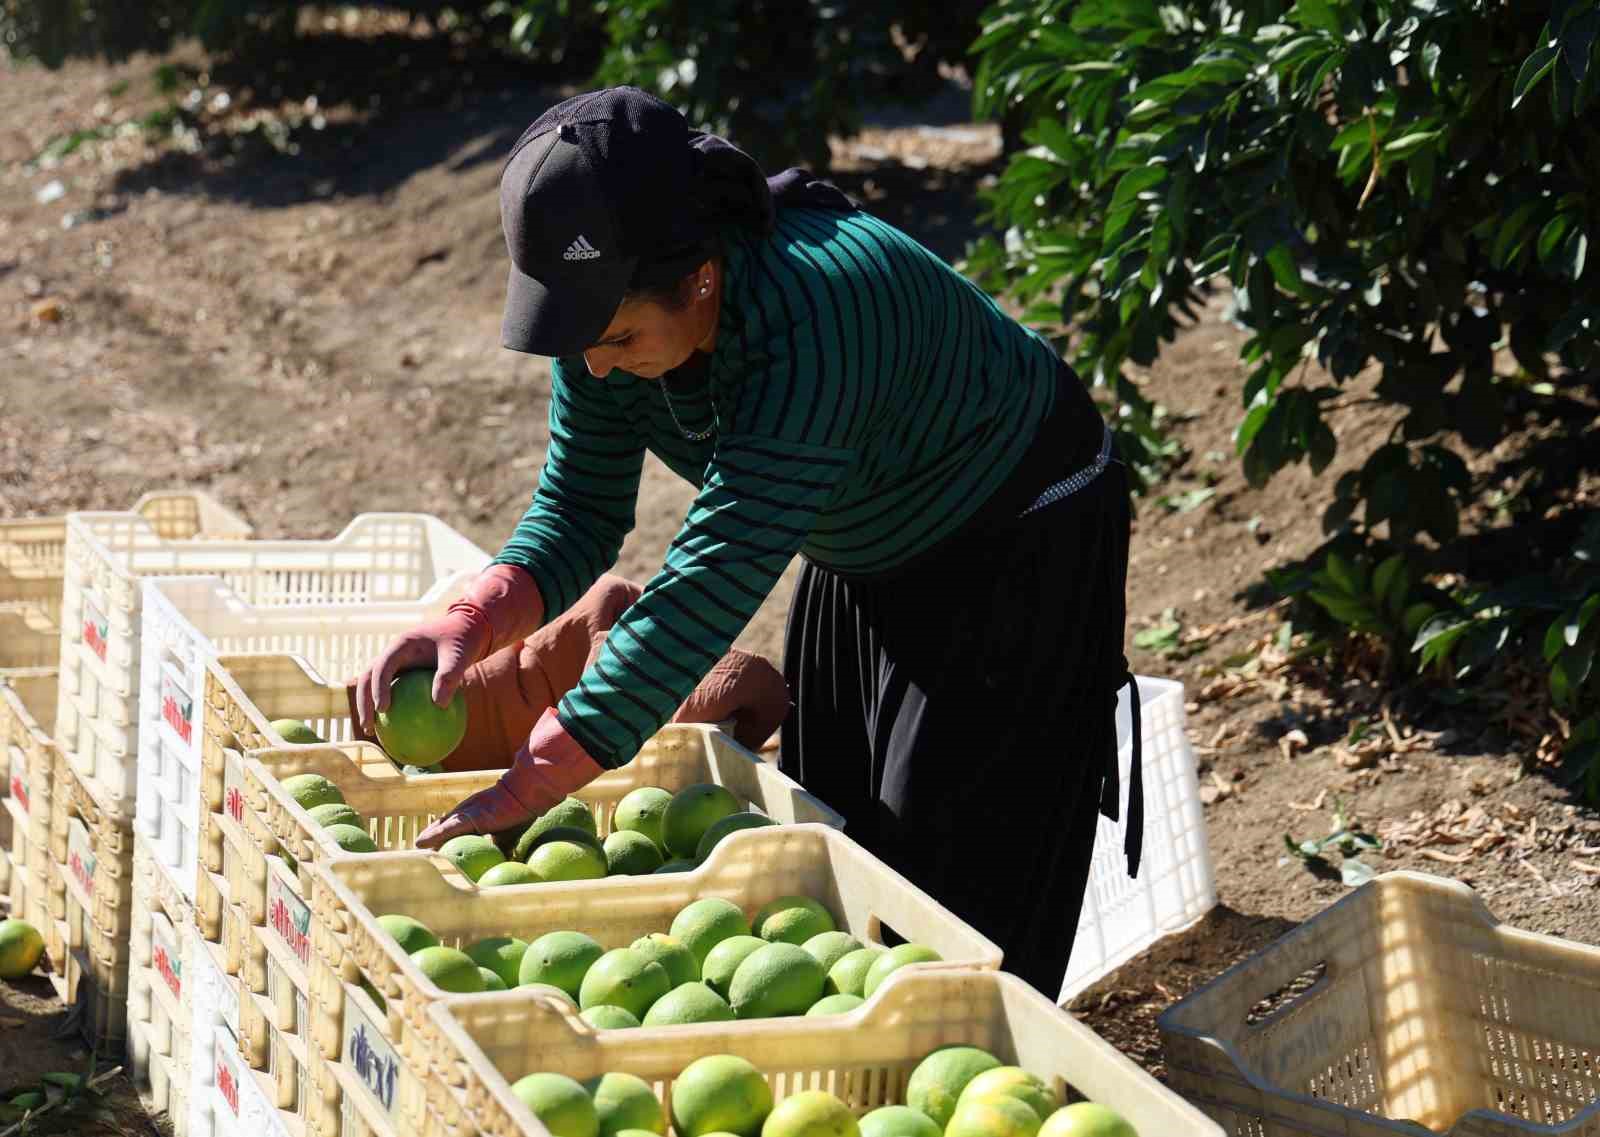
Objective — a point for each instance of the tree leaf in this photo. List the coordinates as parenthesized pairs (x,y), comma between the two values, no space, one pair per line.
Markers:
(1533,69)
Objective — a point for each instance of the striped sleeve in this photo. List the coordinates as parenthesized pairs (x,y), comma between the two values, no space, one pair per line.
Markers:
(584,506)
(752,515)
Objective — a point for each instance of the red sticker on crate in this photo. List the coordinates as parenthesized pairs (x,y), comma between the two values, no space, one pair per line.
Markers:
(232,792)
(227,1078)
(289,916)
(80,856)
(19,777)
(369,1054)
(96,628)
(177,708)
(168,964)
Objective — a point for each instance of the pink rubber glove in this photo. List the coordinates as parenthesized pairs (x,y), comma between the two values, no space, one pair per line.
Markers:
(500,607)
(547,769)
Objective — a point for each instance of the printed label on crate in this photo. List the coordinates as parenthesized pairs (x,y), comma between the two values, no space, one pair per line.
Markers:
(369,1054)
(80,855)
(233,787)
(176,707)
(290,917)
(229,1075)
(165,957)
(96,628)
(19,776)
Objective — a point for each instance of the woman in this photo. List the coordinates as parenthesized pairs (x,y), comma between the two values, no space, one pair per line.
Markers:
(837,391)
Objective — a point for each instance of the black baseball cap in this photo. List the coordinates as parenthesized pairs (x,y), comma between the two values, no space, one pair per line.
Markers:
(598,185)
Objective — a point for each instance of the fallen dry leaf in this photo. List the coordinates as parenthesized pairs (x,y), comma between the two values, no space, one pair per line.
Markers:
(1293,741)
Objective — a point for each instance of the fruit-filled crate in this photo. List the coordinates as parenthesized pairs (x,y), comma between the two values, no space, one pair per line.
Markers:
(1404,1008)
(379,557)
(865,1058)
(187,623)
(91,858)
(33,549)
(1122,916)
(160,1001)
(27,760)
(865,898)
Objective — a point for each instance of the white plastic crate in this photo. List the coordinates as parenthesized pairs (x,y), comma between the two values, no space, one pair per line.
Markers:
(1175,887)
(214,1026)
(379,557)
(189,621)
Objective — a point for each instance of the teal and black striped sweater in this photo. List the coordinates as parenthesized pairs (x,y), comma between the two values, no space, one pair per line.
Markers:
(867,399)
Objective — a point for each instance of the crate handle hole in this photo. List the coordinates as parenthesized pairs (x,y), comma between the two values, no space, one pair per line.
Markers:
(879,932)
(1290,995)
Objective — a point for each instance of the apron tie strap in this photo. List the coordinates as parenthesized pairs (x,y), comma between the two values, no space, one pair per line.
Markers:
(1111,788)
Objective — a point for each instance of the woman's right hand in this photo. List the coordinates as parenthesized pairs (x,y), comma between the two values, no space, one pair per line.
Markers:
(449,645)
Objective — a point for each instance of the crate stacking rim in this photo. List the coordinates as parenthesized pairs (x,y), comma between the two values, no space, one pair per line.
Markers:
(1404,1008)
(386,1060)
(187,623)
(377,558)
(864,1057)
(1176,886)
(260,903)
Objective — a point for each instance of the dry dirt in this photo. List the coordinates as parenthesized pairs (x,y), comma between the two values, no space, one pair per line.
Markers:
(315,334)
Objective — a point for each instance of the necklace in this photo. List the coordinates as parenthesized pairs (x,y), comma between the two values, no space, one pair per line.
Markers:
(691,435)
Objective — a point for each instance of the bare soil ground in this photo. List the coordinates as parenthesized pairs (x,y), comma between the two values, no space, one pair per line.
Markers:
(291,297)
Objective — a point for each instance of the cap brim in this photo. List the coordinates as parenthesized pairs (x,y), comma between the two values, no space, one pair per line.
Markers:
(559,317)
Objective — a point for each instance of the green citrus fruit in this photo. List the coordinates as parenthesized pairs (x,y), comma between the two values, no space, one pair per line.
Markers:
(352,839)
(491,980)
(723,826)
(449,969)
(1013,1081)
(550,991)
(811,1113)
(893,960)
(507,872)
(561,1104)
(681,965)
(631,854)
(372,993)
(705,923)
(1086,1119)
(411,935)
(624,978)
(828,948)
(577,834)
(473,854)
(567,860)
(624,1101)
(413,730)
(897,1121)
(849,975)
(779,979)
(568,811)
(936,1084)
(560,959)
(835,1005)
(792,920)
(677,866)
(21,945)
(690,813)
(720,1093)
(640,811)
(607,1017)
(311,790)
(501,955)
(335,813)
(690,1003)
(294,731)
(724,959)
(994,1116)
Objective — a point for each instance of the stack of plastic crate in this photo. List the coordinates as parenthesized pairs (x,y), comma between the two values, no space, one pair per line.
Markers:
(27,708)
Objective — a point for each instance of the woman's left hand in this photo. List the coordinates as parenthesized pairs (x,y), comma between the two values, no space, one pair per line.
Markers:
(549,767)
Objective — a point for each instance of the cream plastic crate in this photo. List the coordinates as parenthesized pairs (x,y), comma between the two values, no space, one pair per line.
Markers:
(749,868)
(487,1042)
(1175,887)
(160,1027)
(27,757)
(32,549)
(259,903)
(1404,1008)
(91,855)
(379,557)
(187,623)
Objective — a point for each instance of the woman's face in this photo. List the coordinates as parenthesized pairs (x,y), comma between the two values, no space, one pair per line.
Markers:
(648,339)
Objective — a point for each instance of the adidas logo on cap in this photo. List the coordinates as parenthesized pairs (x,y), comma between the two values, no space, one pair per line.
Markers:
(580,250)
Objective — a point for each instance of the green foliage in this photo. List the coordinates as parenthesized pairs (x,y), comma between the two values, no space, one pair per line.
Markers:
(1349,593)
(1402,186)
(1345,837)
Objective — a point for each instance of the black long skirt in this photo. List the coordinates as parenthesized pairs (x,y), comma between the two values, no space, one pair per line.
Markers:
(962,715)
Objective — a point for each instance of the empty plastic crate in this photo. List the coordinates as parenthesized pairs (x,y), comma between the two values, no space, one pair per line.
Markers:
(1122,916)
(487,1042)
(1404,1008)
(379,557)
(187,622)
